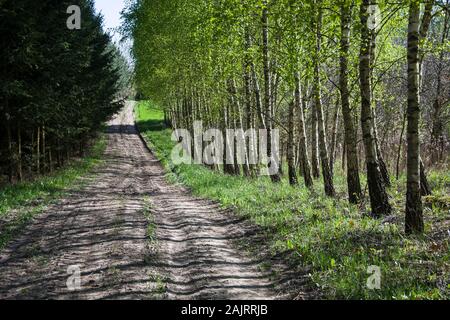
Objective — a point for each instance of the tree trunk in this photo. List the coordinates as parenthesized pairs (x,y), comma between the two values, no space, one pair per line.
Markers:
(413,213)
(283,151)
(267,91)
(303,148)
(290,146)
(258,99)
(377,192)
(237,124)
(248,105)
(383,168)
(334,136)
(438,122)
(43,150)
(38,150)
(399,150)
(10,150)
(314,144)
(19,153)
(275,80)
(50,160)
(350,144)
(425,189)
(425,25)
(326,172)
(228,157)
(423,32)
(59,156)
(246,165)
(343,157)
(372,50)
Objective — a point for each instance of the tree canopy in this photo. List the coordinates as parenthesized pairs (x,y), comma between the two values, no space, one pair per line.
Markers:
(57,85)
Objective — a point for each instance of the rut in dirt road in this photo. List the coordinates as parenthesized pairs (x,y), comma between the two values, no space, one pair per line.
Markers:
(134,236)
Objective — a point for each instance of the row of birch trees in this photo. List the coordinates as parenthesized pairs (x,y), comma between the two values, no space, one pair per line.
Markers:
(350,82)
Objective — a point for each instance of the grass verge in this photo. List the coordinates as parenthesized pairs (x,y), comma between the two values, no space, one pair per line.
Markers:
(19,203)
(339,241)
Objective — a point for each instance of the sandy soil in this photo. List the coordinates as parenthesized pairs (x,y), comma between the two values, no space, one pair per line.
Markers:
(134,236)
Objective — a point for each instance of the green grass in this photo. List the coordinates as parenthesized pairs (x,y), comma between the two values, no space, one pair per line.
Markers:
(151,226)
(20,202)
(336,239)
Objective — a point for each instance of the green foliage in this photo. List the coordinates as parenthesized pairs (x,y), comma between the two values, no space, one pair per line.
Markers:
(61,84)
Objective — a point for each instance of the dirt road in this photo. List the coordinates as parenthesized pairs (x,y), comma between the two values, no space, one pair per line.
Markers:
(132,235)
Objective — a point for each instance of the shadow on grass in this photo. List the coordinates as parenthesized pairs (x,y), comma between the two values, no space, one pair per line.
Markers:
(152,125)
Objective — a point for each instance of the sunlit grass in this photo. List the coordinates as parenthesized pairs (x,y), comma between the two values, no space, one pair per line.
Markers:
(339,241)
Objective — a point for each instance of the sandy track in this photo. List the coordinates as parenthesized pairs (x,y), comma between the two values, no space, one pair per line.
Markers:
(103,229)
